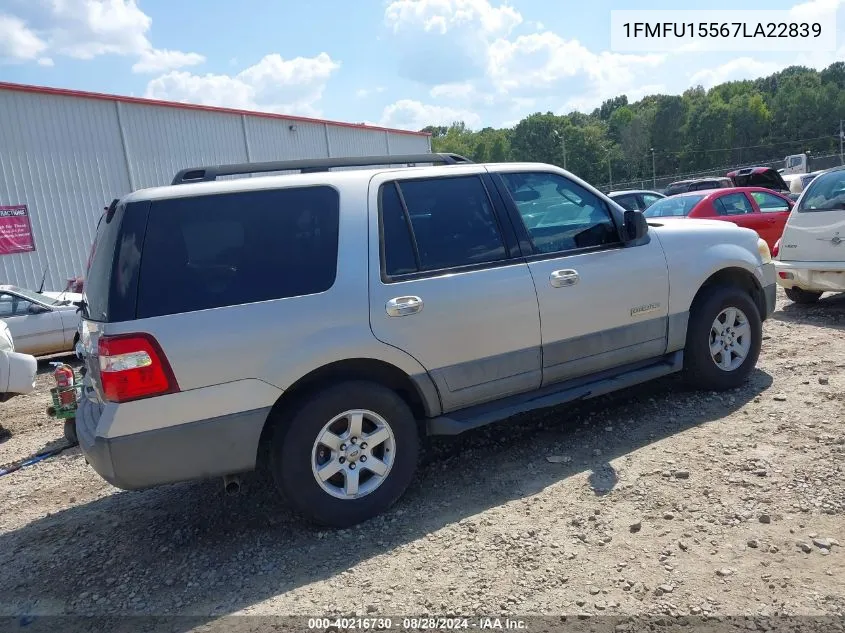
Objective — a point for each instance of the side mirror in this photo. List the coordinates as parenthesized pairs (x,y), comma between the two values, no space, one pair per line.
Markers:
(34,308)
(636,226)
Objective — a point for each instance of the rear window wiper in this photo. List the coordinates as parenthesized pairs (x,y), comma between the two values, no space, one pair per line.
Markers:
(82,307)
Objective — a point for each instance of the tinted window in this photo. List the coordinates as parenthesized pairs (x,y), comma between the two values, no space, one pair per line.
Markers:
(398,247)
(628,202)
(227,249)
(825,193)
(99,274)
(559,214)
(452,220)
(677,207)
(733,204)
(676,188)
(769,203)
(706,184)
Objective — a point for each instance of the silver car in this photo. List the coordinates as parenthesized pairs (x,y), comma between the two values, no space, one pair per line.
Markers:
(40,323)
(319,324)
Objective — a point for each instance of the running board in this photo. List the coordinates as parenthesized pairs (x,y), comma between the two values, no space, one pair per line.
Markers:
(555,395)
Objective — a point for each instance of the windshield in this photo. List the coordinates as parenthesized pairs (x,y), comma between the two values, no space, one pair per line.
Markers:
(35,296)
(676,207)
(824,193)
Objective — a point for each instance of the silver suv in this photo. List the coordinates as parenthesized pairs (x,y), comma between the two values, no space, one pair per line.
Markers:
(330,318)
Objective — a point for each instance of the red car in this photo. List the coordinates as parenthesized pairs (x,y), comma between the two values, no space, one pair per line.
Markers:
(756,208)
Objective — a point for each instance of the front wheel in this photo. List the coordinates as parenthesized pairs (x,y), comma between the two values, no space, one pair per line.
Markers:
(798,295)
(347,453)
(723,339)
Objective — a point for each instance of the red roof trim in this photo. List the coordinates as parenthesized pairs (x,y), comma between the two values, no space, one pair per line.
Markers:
(63,92)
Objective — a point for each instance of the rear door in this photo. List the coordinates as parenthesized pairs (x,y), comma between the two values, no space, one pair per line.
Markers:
(775,210)
(602,304)
(737,208)
(449,287)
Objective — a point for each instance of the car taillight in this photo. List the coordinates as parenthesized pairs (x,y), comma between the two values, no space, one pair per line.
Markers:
(133,366)
(776,249)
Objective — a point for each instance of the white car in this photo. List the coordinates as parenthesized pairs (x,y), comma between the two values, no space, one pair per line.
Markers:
(17,371)
(41,323)
(811,253)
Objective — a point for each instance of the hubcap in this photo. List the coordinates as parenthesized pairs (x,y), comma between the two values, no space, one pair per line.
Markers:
(353,454)
(730,339)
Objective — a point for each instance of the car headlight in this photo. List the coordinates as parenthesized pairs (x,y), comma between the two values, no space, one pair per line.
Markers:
(763,249)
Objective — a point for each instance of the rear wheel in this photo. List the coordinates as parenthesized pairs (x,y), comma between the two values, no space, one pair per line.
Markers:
(70,432)
(347,453)
(802,296)
(723,339)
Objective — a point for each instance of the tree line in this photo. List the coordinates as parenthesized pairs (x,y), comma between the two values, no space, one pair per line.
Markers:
(795,110)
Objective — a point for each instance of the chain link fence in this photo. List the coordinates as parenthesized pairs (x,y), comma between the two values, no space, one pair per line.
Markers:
(660,183)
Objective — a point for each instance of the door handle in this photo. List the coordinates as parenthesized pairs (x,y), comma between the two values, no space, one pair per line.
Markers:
(563,278)
(403,306)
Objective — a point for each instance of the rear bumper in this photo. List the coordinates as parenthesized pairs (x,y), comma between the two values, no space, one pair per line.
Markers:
(812,276)
(195,450)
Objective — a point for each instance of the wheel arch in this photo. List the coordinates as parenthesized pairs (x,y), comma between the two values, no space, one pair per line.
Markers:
(734,276)
(417,392)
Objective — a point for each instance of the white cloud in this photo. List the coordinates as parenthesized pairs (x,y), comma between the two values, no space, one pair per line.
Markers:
(442,16)
(414,115)
(17,41)
(363,93)
(161,60)
(274,84)
(445,41)
(734,70)
(85,29)
(46,61)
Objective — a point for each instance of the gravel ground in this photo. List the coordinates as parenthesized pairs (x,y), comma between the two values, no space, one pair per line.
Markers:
(654,501)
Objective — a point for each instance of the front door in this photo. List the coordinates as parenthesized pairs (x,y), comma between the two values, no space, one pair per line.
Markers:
(602,304)
(447,288)
(775,210)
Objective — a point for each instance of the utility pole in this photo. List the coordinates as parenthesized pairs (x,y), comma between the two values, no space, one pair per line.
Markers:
(609,172)
(653,171)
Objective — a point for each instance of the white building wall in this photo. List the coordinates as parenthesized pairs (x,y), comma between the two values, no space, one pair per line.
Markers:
(67,156)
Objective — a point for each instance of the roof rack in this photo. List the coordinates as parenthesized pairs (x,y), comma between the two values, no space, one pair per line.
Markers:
(311,165)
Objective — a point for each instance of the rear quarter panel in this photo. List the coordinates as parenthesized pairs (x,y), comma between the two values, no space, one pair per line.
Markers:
(243,357)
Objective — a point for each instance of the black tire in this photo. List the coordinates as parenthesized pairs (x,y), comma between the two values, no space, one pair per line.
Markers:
(700,368)
(292,446)
(70,432)
(797,295)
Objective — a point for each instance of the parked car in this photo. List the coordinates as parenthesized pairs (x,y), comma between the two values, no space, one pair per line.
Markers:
(754,208)
(41,323)
(635,200)
(17,371)
(764,177)
(696,184)
(377,304)
(811,254)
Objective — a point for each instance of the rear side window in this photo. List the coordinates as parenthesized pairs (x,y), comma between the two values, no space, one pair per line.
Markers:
(677,207)
(769,203)
(733,204)
(627,202)
(438,223)
(229,249)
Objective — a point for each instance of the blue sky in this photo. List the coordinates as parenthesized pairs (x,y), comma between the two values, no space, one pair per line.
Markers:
(400,63)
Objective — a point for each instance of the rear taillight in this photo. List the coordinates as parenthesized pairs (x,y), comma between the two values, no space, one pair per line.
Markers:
(776,249)
(133,366)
